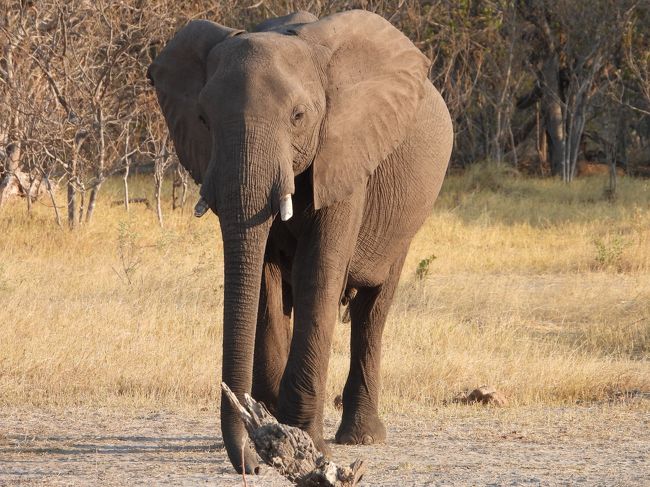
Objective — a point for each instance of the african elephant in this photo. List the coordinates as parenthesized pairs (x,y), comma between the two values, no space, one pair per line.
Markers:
(335,122)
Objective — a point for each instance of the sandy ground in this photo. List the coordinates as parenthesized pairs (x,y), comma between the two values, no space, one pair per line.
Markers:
(588,445)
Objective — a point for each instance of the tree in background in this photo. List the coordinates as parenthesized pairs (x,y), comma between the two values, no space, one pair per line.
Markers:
(532,83)
(571,46)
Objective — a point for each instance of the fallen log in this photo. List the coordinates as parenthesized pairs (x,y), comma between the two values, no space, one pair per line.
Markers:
(290,450)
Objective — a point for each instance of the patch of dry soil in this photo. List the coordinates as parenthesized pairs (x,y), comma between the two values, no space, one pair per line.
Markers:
(599,445)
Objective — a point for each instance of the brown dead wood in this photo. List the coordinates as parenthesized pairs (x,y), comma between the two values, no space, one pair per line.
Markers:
(291,450)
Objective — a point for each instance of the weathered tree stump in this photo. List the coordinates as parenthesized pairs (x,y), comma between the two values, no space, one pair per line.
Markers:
(290,450)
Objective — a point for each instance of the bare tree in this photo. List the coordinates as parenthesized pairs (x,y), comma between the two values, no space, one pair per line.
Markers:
(180,182)
(522,79)
(637,56)
(571,45)
(162,162)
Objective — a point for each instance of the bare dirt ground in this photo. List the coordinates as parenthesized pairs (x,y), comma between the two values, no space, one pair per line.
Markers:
(587,445)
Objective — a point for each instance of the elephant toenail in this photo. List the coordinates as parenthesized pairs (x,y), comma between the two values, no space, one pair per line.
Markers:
(367,440)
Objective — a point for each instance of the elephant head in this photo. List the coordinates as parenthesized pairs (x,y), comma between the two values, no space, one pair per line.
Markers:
(250,111)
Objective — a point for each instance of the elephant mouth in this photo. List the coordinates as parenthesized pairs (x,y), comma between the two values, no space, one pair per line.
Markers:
(286,207)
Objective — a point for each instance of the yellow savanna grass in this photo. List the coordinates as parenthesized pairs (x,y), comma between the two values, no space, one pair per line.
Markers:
(538,288)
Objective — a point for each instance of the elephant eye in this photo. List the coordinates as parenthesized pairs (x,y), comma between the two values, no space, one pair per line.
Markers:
(298,114)
(204,121)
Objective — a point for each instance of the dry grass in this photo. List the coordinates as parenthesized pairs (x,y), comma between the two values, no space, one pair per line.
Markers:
(539,289)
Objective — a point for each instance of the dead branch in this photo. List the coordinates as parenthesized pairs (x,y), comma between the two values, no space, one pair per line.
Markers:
(290,450)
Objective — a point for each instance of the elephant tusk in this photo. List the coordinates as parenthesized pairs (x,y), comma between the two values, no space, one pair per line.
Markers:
(286,207)
(200,208)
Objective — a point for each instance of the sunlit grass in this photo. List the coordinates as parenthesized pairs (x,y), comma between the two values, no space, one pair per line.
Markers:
(538,288)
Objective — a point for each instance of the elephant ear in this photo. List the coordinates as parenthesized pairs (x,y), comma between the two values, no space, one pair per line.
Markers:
(375,80)
(300,17)
(178,74)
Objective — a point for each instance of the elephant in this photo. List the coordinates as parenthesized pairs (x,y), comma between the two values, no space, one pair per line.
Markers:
(321,145)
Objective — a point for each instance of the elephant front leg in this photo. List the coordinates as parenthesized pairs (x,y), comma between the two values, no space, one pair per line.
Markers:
(360,423)
(272,336)
(318,274)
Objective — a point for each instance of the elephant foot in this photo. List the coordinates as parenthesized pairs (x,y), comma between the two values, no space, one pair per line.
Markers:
(365,432)
(322,447)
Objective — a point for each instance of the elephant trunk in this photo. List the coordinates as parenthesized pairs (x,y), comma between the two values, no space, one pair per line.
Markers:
(243,260)
(253,174)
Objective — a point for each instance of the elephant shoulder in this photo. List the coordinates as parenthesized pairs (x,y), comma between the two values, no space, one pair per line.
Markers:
(300,17)
(427,148)
(435,118)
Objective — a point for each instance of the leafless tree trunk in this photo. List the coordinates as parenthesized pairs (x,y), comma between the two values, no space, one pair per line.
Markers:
(180,182)
(158,178)
(82,204)
(30,193)
(176,182)
(8,76)
(50,191)
(611,159)
(73,180)
(127,167)
(185,178)
(100,164)
(11,170)
(160,166)
(504,109)
(580,91)
(621,139)
(515,158)
(553,114)
(541,144)
(184,192)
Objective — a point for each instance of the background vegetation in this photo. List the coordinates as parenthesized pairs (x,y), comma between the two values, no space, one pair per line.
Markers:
(547,86)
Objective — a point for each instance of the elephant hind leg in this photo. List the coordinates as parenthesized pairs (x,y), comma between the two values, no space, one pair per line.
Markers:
(272,336)
(368,311)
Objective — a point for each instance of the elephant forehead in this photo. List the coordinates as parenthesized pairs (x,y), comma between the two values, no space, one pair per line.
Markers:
(269,68)
(258,52)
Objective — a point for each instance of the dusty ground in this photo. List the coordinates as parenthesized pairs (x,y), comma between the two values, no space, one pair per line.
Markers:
(588,445)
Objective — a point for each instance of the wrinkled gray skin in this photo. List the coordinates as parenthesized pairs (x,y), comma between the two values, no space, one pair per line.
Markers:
(338,112)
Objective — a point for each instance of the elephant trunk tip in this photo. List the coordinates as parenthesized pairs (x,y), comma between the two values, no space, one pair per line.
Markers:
(286,207)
